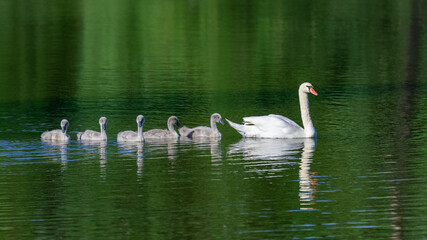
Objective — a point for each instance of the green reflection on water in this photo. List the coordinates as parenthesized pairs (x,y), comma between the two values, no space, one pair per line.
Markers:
(84,59)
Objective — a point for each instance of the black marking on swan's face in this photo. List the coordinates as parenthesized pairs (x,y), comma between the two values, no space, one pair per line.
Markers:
(310,89)
(64,125)
(103,123)
(174,121)
(217,118)
(140,119)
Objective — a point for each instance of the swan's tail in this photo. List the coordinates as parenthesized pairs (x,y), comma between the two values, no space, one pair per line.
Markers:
(239,128)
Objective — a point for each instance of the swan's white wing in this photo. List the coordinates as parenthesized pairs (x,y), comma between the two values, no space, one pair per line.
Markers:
(245,130)
(286,120)
(275,126)
(271,122)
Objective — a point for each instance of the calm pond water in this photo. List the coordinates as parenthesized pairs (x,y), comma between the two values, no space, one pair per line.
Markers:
(364,177)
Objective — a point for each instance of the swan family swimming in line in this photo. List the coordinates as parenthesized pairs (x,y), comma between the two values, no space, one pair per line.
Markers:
(139,135)
(270,126)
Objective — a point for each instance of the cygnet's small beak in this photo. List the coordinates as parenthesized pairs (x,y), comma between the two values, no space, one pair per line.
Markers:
(222,122)
(313,92)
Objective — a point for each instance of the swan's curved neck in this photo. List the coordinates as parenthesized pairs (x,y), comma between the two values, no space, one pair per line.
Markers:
(64,134)
(140,130)
(309,129)
(213,125)
(170,127)
(103,133)
(64,130)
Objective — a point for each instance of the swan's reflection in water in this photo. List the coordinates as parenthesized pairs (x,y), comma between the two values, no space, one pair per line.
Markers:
(271,154)
(61,149)
(307,184)
(138,147)
(101,147)
(267,149)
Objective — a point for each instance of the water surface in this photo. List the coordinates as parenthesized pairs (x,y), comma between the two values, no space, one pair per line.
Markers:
(363,177)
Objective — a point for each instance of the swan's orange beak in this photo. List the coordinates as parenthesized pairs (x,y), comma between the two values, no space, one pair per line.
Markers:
(313,92)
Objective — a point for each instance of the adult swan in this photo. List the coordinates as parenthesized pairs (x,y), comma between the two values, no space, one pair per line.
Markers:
(276,126)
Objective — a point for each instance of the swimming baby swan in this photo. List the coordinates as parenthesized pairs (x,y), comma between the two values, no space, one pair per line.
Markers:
(93,135)
(202,131)
(57,135)
(170,133)
(131,136)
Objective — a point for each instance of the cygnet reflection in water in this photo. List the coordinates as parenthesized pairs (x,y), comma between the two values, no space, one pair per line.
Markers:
(161,144)
(129,148)
(59,148)
(211,144)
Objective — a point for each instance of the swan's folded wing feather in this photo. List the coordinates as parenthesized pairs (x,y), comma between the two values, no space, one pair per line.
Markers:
(156,133)
(125,135)
(52,135)
(201,131)
(91,134)
(286,120)
(272,123)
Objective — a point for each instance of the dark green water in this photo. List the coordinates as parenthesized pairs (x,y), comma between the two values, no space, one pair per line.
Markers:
(364,177)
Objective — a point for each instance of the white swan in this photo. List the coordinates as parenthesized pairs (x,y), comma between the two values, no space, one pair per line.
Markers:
(170,133)
(276,126)
(93,135)
(57,135)
(202,131)
(131,136)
